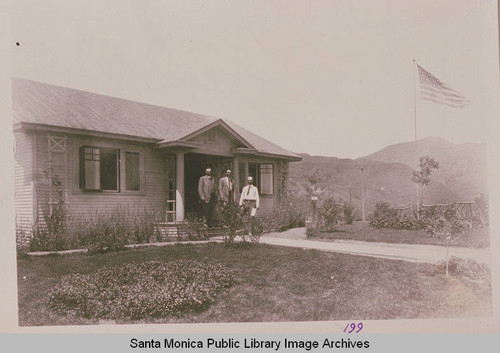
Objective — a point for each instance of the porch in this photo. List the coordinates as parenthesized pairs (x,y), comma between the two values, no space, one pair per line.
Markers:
(184,170)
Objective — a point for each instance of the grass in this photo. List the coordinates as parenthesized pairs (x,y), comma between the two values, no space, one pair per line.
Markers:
(475,238)
(275,284)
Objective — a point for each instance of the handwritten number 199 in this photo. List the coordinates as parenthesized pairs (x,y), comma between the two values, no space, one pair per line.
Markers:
(352,326)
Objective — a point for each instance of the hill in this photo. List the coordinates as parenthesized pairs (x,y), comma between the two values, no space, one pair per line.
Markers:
(462,167)
(387,174)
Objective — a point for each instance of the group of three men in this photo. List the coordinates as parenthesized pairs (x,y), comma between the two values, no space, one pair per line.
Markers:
(209,193)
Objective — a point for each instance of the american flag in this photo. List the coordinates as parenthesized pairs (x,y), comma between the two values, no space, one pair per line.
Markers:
(434,90)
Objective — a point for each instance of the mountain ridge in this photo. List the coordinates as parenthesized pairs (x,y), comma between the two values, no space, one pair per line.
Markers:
(462,175)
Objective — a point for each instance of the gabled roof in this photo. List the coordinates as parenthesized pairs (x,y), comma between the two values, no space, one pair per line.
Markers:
(37,103)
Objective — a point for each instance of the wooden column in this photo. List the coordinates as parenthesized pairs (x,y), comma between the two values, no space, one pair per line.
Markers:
(179,188)
(236,178)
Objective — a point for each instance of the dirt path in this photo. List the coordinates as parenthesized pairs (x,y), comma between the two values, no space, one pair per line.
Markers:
(407,252)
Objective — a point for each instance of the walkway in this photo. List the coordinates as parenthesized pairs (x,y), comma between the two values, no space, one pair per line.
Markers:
(407,252)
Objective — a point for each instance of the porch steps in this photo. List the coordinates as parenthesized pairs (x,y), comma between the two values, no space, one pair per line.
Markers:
(215,232)
(181,230)
(168,231)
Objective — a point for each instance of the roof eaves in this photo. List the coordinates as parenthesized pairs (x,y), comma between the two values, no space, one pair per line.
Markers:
(179,143)
(76,131)
(246,151)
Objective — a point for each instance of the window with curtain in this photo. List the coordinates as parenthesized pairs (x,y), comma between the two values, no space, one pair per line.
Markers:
(99,169)
(263,177)
(132,171)
(266,178)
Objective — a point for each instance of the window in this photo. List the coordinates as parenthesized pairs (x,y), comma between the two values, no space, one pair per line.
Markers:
(99,169)
(253,172)
(266,178)
(91,169)
(262,177)
(132,171)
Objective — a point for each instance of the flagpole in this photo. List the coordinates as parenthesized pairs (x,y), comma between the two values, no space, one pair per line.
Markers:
(415,98)
(415,125)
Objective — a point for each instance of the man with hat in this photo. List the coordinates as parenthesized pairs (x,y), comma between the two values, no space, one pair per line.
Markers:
(250,201)
(208,195)
(226,188)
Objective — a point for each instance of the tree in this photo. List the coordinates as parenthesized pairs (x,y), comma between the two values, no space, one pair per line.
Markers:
(422,176)
(426,166)
(313,180)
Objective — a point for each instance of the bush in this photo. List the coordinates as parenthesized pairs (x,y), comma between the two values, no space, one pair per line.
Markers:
(385,216)
(96,231)
(52,234)
(46,239)
(257,230)
(104,232)
(137,291)
(24,234)
(311,230)
(482,214)
(446,230)
(231,218)
(465,268)
(348,214)
(289,212)
(196,229)
(332,214)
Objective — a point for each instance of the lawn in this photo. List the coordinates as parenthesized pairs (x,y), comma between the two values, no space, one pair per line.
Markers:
(474,238)
(275,284)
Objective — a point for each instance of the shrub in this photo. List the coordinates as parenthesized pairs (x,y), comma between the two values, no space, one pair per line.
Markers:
(465,268)
(137,291)
(142,225)
(385,216)
(196,229)
(24,234)
(257,230)
(46,239)
(311,230)
(348,214)
(52,234)
(446,230)
(104,231)
(231,219)
(289,212)
(481,204)
(96,231)
(331,215)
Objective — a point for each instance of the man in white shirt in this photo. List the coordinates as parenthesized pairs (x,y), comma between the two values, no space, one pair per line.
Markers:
(250,201)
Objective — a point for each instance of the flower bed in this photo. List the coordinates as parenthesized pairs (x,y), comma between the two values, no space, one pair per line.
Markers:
(136,291)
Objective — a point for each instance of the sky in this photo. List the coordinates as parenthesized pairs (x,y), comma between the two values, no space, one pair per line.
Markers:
(332,78)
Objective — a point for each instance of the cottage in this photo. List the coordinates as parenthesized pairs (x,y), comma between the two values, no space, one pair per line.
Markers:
(99,152)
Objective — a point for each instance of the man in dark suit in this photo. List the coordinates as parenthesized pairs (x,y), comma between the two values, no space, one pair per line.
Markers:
(208,194)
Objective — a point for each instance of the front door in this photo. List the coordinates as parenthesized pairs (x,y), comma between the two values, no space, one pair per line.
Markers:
(195,165)
(194,168)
